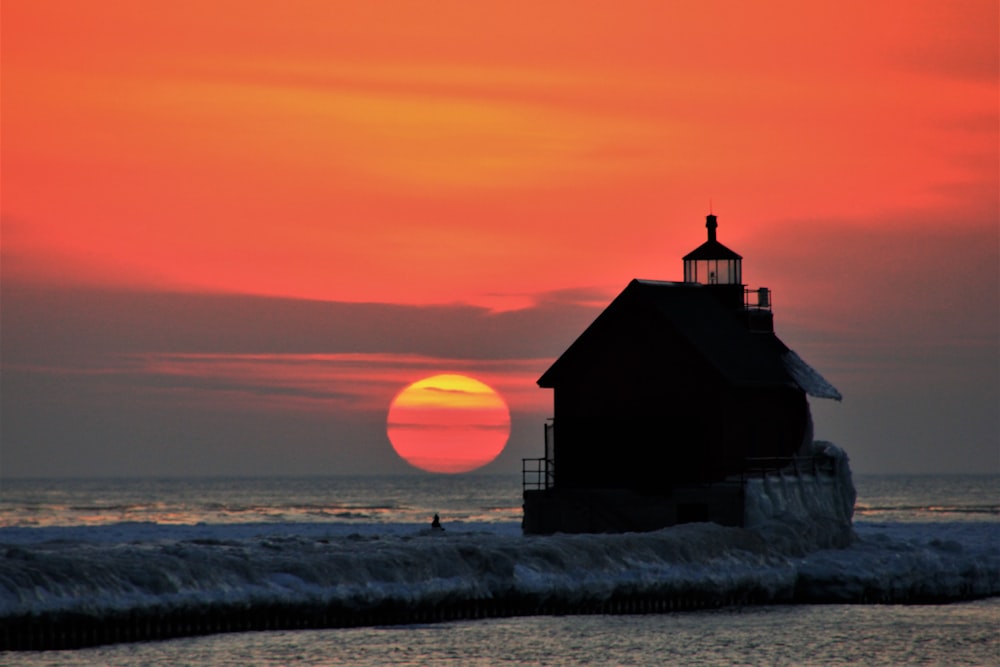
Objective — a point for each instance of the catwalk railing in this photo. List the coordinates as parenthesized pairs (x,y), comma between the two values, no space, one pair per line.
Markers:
(539,474)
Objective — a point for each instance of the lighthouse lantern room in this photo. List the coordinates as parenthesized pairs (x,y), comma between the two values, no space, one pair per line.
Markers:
(712,263)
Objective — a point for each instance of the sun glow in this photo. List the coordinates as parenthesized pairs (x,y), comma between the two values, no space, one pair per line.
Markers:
(448,423)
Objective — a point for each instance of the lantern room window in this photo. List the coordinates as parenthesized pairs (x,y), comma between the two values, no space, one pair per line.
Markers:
(713,271)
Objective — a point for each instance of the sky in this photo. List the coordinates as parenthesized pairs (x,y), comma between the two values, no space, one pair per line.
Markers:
(232,232)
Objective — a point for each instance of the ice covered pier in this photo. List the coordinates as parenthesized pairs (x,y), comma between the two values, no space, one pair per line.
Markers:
(75,591)
(78,630)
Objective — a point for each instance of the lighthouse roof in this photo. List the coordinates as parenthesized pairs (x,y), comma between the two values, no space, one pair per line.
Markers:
(711,249)
(692,314)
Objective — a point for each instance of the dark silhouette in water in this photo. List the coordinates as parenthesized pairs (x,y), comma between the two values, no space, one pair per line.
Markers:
(436,522)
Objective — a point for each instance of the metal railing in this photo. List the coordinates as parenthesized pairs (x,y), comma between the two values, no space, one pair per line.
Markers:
(540,474)
(757,299)
(536,474)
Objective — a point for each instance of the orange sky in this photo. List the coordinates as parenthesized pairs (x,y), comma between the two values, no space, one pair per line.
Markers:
(498,155)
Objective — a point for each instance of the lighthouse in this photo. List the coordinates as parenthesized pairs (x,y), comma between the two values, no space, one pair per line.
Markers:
(668,402)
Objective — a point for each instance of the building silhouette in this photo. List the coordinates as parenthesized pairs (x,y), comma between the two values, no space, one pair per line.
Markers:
(667,402)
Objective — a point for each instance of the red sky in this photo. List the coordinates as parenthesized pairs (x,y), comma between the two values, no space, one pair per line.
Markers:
(459,187)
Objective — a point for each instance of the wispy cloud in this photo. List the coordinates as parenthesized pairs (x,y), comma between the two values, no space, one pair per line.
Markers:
(332,382)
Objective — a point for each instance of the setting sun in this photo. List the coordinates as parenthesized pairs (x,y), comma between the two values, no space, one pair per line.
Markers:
(448,423)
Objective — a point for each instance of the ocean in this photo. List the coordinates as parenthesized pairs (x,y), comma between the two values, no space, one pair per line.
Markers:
(107,548)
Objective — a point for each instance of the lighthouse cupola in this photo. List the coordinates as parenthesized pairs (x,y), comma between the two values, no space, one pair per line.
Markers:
(712,263)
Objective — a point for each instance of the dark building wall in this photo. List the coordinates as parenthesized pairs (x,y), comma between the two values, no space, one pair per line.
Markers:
(643,392)
(640,392)
(761,423)
(691,438)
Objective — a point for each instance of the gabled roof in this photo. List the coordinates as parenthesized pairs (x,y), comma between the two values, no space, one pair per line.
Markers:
(718,334)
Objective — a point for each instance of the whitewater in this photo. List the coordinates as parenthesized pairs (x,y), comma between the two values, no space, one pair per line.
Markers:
(75,585)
